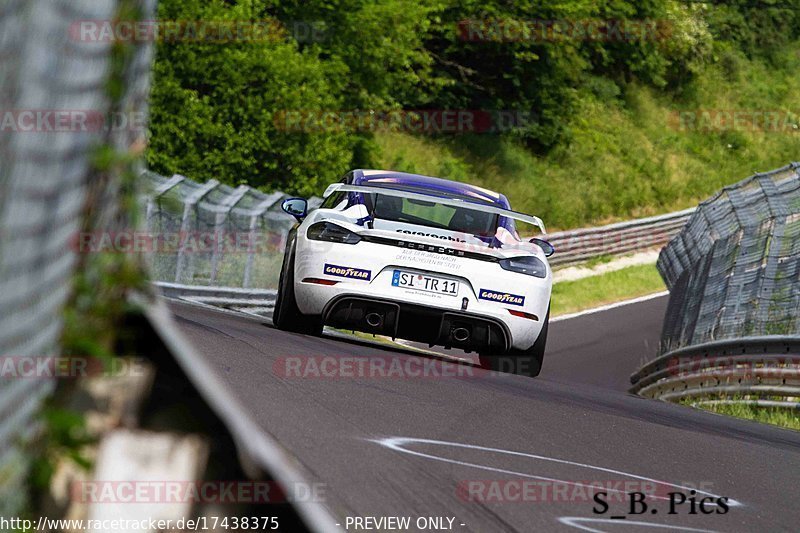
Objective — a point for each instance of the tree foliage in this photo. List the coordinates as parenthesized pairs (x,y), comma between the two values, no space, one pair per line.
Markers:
(218,107)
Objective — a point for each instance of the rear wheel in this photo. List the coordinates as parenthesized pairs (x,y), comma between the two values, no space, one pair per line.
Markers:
(286,315)
(521,362)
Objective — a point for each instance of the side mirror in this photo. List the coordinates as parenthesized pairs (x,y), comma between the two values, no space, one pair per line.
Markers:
(297,207)
(548,248)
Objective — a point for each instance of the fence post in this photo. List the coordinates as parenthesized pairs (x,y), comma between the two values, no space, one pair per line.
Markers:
(248,267)
(226,206)
(190,205)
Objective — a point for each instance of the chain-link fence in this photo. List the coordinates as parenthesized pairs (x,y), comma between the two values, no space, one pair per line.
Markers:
(214,234)
(734,269)
(732,327)
(54,102)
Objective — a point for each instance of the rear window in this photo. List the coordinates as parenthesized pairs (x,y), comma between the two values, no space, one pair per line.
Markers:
(435,215)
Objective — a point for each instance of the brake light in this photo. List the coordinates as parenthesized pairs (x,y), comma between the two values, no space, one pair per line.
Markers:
(522,314)
(326,231)
(319,281)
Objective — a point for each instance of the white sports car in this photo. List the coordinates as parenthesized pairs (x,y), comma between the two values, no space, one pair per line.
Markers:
(423,259)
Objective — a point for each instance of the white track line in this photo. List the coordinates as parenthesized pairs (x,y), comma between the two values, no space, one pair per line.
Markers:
(399,444)
(602,308)
(576,522)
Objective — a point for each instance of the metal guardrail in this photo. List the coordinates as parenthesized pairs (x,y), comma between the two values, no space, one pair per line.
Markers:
(734,307)
(759,370)
(256,447)
(252,301)
(574,246)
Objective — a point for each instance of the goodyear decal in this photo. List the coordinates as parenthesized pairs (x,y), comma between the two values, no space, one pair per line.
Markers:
(501,297)
(348,272)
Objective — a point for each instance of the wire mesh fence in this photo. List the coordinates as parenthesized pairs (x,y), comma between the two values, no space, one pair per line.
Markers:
(734,269)
(732,328)
(213,234)
(54,102)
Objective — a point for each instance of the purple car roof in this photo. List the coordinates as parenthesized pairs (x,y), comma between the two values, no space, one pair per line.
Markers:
(403,180)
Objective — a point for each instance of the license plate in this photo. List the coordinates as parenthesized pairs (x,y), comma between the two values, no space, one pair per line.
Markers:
(423,282)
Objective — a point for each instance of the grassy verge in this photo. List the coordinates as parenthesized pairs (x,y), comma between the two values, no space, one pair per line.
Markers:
(786,418)
(593,291)
(627,156)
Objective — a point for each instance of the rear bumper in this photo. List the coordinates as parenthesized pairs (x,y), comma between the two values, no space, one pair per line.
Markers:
(443,327)
(369,276)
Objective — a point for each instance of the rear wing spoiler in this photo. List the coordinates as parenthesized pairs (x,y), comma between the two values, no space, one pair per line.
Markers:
(453,202)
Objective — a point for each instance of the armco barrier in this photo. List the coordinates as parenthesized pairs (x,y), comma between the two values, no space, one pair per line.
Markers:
(252,301)
(759,370)
(574,246)
(732,327)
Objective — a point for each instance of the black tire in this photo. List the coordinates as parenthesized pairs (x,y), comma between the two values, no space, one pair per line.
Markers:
(521,362)
(286,315)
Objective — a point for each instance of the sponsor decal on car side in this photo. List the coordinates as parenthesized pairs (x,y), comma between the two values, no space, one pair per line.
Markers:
(347,272)
(434,235)
(501,297)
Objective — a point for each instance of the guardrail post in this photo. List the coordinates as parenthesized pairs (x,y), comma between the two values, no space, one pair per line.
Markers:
(248,267)
(189,205)
(187,211)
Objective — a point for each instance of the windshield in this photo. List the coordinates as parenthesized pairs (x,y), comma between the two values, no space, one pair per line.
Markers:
(435,215)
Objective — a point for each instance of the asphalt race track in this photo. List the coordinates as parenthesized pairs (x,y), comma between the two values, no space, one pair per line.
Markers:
(496,452)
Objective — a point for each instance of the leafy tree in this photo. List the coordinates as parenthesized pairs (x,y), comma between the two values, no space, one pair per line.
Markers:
(218,110)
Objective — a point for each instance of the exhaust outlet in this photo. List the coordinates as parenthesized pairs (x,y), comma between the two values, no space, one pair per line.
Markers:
(460,334)
(374,319)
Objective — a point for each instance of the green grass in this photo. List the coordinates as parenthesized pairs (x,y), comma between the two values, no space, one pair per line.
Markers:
(593,291)
(625,157)
(786,418)
(597,261)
